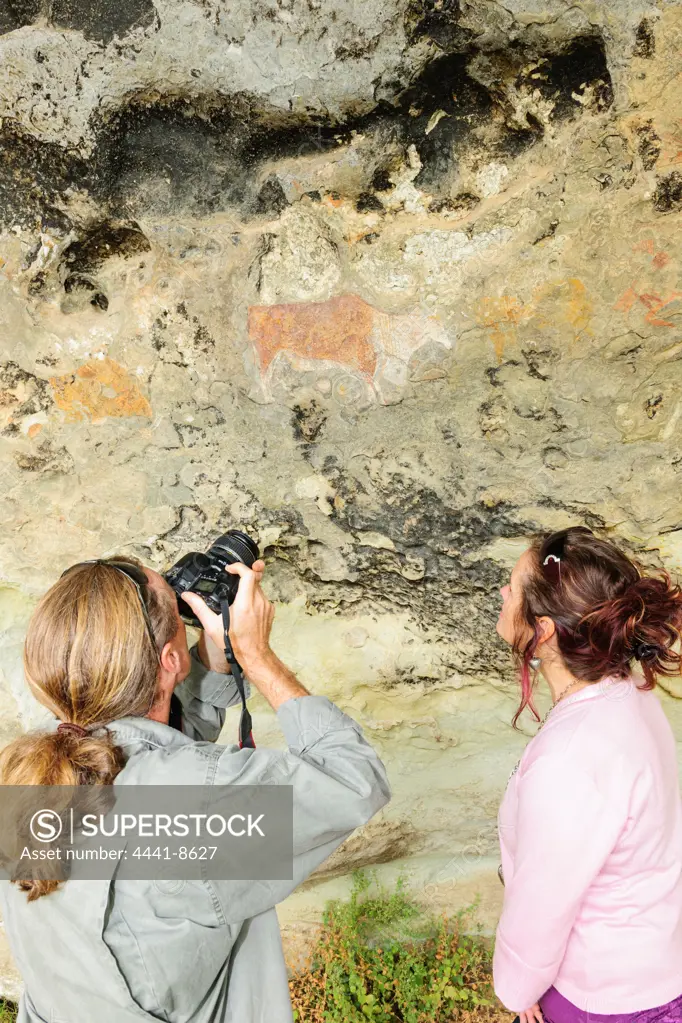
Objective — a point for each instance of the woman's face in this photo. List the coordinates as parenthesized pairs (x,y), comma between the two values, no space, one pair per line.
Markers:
(510,623)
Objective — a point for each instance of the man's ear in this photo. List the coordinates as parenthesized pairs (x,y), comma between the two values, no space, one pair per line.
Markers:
(170,659)
(547,629)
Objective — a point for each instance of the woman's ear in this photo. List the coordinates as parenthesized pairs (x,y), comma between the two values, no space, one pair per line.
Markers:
(547,629)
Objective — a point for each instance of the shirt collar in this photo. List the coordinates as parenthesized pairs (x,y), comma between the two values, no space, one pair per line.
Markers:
(130,730)
(606,687)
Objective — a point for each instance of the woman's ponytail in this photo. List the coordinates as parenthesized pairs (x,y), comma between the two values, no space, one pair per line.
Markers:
(643,623)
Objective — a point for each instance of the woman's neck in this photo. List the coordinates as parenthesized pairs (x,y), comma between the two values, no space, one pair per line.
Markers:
(559,679)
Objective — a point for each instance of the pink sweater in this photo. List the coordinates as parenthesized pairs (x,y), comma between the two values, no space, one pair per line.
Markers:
(591,837)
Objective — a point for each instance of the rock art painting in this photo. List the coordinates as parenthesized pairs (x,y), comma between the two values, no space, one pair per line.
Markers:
(97,390)
(345,331)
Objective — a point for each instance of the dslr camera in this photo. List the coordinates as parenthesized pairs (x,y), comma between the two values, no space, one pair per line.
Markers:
(205,573)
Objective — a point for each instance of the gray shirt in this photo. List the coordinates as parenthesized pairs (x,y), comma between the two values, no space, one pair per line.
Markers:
(194,951)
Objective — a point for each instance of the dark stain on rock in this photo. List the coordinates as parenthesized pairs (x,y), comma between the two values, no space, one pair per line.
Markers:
(77,282)
(82,259)
(648,145)
(45,459)
(539,362)
(37,284)
(102,19)
(31,256)
(368,203)
(22,392)
(307,420)
(82,290)
(170,157)
(582,63)
(203,340)
(645,41)
(33,177)
(381,179)
(271,200)
(591,519)
(652,405)
(554,458)
(446,85)
(457,204)
(518,141)
(493,372)
(197,156)
(102,241)
(437,20)
(17,13)
(457,592)
(362,46)
(547,232)
(668,194)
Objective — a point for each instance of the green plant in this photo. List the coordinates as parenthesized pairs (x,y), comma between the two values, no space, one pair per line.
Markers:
(379,957)
(8,1011)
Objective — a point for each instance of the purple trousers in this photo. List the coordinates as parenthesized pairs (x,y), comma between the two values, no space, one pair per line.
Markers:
(557,1009)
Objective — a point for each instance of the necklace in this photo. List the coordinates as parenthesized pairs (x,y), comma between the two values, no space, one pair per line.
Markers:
(576,682)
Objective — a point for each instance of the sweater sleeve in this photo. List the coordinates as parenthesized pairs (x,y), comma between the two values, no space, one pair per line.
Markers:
(566,827)
(204,697)
(338,783)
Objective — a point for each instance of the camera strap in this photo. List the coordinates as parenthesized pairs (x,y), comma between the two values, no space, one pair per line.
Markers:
(245,732)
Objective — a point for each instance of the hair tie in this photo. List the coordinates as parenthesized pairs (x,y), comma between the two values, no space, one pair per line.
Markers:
(646,651)
(69,726)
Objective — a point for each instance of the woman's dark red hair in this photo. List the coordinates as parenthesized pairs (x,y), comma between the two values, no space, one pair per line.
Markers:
(606,612)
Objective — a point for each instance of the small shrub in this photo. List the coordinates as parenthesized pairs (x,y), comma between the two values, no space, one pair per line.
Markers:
(380,958)
(8,1011)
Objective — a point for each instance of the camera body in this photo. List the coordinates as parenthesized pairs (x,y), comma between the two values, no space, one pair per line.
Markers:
(205,573)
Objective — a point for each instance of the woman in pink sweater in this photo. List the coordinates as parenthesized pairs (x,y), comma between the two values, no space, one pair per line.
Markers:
(591,822)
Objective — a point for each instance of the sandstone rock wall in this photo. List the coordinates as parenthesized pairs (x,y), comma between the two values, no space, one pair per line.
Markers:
(391,285)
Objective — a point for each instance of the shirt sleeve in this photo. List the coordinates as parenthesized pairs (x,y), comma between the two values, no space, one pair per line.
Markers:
(338,784)
(566,827)
(204,697)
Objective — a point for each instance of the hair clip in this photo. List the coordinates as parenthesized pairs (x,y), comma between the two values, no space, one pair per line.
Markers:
(647,651)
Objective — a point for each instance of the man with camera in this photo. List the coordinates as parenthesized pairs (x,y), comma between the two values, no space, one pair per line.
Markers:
(106,652)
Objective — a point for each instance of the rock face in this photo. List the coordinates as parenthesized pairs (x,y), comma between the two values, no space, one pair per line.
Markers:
(390,285)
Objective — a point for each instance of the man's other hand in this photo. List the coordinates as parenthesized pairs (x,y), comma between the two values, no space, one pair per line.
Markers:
(251,617)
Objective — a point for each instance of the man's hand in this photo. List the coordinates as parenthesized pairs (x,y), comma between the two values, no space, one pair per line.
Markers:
(211,655)
(251,617)
(532,1015)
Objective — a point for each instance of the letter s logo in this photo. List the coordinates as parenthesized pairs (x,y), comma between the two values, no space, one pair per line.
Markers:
(46,825)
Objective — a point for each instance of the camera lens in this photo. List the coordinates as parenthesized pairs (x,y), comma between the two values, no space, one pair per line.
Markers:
(236,546)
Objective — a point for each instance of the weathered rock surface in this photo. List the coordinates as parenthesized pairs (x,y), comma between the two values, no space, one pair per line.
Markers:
(391,285)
